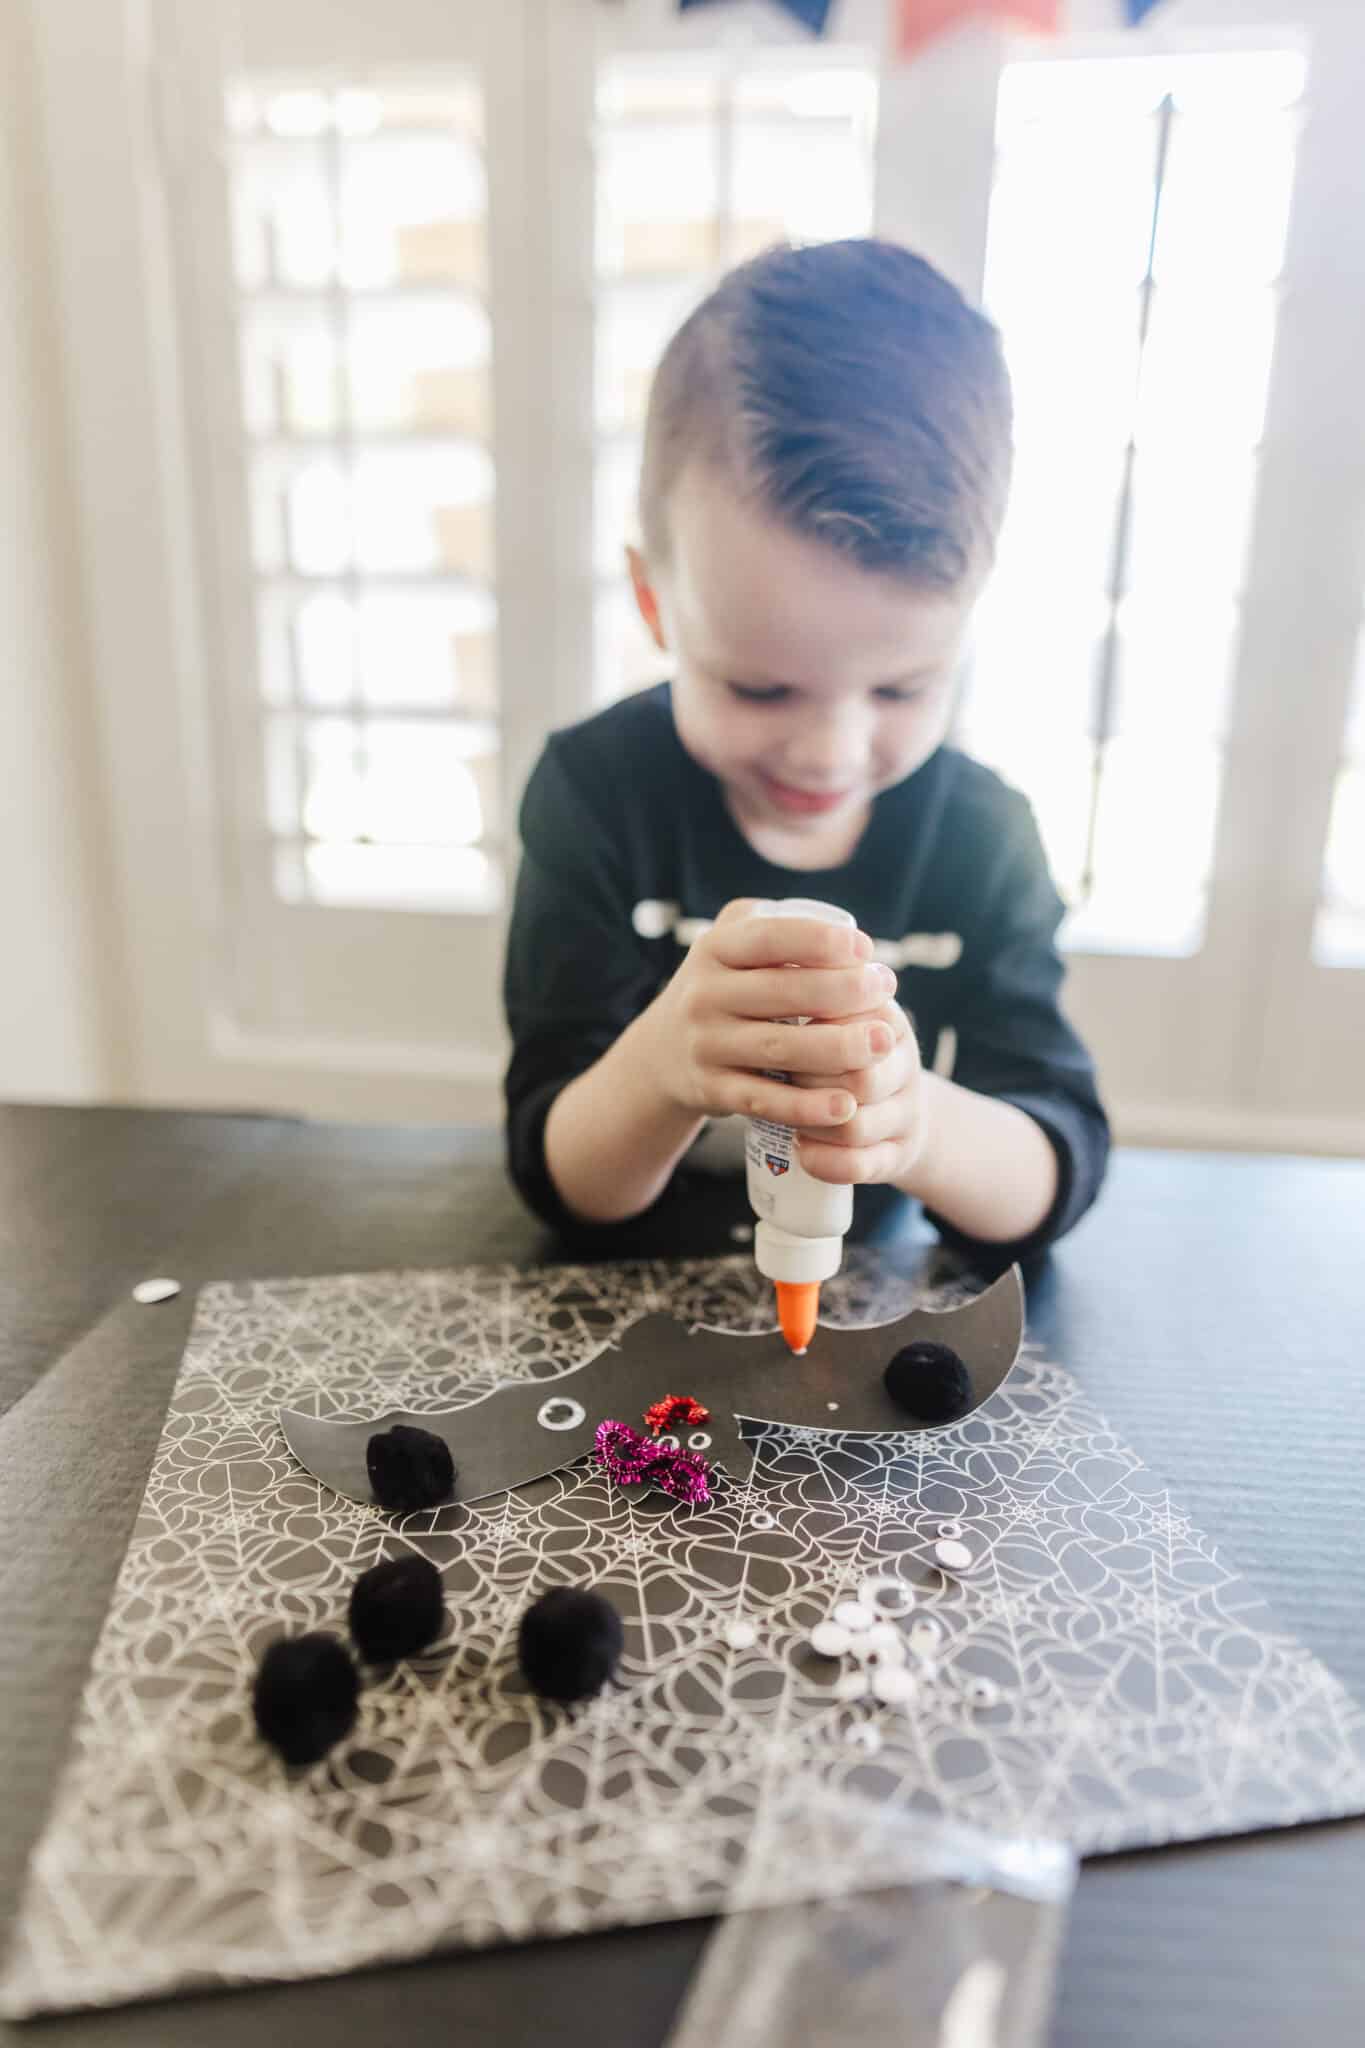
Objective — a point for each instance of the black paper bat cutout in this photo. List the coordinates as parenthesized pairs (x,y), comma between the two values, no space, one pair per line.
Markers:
(526,1428)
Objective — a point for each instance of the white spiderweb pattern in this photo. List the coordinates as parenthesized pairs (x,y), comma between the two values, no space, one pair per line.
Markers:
(1143,1694)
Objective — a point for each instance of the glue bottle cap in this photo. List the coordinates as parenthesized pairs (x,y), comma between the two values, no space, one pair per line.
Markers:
(784,1255)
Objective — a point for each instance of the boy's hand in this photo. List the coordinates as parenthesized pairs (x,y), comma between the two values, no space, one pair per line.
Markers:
(717,1043)
(883,1141)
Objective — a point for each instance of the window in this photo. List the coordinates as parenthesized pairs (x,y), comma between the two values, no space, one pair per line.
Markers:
(409,313)
(1339,936)
(1137,232)
(701,162)
(359,229)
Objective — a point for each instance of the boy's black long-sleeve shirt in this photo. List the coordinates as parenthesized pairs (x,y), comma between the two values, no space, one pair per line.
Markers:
(628,848)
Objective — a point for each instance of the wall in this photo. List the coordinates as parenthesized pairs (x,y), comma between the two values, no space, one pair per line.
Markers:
(58,1036)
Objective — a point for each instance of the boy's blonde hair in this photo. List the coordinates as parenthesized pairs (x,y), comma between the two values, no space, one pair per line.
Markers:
(856,395)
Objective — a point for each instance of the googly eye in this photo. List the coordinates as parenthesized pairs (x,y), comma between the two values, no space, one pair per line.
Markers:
(982,1692)
(883,1644)
(866,1735)
(699,1441)
(951,1530)
(668,1443)
(851,1686)
(559,1412)
(761,1519)
(886,1594)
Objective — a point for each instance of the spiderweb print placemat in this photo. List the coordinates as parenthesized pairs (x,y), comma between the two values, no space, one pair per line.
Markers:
(1135,1689)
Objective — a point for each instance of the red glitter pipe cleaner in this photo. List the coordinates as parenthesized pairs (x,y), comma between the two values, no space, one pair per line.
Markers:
(676,1411)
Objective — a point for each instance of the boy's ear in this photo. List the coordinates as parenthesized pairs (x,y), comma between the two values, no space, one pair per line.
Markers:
(645,597)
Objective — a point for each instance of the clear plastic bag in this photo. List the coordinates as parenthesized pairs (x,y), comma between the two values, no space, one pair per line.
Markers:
(909,1931)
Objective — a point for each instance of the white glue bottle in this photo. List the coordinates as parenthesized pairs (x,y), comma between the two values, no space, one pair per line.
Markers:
(799,1236)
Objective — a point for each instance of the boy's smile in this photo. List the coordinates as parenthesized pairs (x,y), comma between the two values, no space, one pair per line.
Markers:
(804,683)
(803,803)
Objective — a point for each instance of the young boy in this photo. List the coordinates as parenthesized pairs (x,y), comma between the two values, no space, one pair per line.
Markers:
(826,464)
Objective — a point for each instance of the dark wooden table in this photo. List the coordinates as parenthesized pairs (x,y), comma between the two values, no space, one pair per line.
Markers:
(1215,1306)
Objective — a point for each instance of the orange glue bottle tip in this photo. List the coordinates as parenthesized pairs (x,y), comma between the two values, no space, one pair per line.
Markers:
(798,1309)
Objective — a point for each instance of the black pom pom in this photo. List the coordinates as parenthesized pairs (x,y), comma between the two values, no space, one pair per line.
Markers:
(930,1382)
(409,1468)
(570,1643)
(304,1698)
(396,1609)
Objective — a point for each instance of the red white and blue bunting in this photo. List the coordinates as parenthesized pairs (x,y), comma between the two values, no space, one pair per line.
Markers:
(918,22)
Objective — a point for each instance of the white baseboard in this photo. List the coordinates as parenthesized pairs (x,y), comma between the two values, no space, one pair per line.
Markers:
(349,1080)
(373,1081)
(1190,1128)
(375,1057)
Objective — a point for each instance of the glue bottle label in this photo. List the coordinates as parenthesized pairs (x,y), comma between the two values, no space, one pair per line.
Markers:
(769,1150)
(781,1192)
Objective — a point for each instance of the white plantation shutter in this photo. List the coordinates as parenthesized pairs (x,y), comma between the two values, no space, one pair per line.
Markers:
(1339,933)
(359,219)
(703,159)
(1137,233)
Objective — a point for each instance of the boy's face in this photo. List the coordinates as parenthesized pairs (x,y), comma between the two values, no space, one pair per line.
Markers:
(803,682)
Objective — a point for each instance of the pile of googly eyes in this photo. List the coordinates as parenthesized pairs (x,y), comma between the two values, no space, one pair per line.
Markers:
(885,1662)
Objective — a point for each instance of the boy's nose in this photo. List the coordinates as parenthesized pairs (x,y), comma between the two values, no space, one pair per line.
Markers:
(830,752)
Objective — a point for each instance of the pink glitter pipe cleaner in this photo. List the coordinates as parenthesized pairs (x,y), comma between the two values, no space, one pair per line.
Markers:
(683,1474)
(631,1460)
(624,1452)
